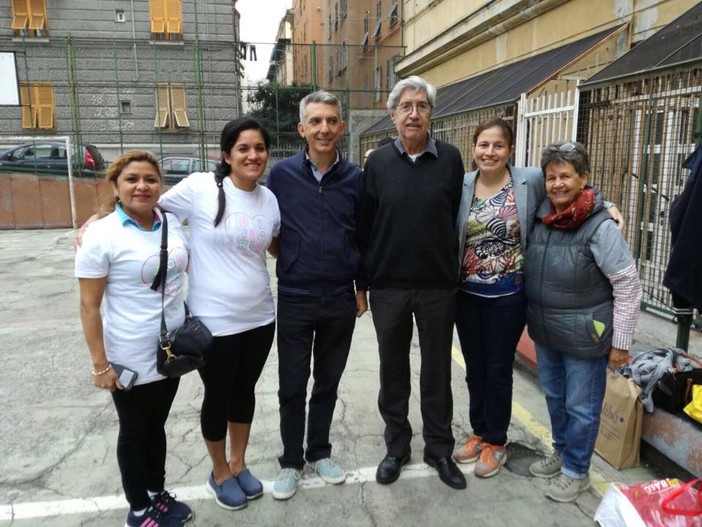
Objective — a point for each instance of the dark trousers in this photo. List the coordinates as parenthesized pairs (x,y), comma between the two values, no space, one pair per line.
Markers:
(141,443)
(234,365)
(489,330)
(433,311)
(319,328)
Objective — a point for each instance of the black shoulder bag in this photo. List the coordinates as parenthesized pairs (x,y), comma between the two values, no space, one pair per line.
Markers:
(183,350)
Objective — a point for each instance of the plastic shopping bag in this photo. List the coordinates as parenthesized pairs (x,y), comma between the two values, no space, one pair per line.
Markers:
(658,503)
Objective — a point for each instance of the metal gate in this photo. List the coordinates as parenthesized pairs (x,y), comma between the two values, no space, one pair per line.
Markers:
(542,120)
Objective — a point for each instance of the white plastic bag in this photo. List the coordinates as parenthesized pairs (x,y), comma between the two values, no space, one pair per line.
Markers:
(648,505)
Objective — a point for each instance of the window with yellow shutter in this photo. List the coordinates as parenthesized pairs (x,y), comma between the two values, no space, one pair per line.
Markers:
(29,18)
(180,117)
(38,111)
(163,106)
(166,19)
(171,110)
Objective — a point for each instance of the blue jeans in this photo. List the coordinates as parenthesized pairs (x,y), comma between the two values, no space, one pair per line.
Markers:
(574,390)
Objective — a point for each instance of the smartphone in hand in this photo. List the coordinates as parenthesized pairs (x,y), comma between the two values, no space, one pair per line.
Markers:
(126,376)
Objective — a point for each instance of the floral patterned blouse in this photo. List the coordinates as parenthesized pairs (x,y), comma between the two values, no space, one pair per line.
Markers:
(493,259)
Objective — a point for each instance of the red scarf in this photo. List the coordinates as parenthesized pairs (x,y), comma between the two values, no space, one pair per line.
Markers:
(576,213)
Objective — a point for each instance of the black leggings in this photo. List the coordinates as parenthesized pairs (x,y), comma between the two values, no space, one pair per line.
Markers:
(141,443)
(233,367)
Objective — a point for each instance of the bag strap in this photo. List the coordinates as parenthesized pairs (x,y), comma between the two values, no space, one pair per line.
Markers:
(665,504)
(689,357)
(160,280)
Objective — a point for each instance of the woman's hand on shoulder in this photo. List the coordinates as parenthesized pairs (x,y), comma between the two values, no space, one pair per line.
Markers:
(618,217)
(81,232)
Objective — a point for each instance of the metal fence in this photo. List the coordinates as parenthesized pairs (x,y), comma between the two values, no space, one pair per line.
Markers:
(456,129)
(168,97)
(639,132)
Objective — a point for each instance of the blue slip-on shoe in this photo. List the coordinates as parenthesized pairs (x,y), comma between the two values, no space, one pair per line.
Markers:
(228,495)
(152,518)
(329,471)
(166,502)
(251,486)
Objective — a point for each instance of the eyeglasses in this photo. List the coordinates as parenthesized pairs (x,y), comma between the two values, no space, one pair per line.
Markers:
(422,108)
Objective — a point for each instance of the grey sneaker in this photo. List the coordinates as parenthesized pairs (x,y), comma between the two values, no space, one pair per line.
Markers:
(547,467)
(565,489)
(329,471)
(285,485)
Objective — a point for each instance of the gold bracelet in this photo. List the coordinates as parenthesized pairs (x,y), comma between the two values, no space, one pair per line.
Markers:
(103,372)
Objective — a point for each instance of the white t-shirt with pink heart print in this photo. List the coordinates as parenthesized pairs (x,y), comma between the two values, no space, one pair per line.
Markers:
(131,311)
(229,286)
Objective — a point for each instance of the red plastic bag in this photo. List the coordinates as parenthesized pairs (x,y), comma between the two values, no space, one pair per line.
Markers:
(658,503)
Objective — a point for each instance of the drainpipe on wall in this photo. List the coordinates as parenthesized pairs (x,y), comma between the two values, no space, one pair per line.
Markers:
(134,46)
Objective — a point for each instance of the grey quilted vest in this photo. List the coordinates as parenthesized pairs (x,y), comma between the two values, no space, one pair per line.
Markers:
(566,291)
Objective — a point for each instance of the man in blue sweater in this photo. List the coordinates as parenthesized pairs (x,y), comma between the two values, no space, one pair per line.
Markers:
(318,194)
(411,194)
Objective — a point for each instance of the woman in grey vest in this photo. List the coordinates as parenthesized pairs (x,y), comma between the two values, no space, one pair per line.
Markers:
(583,295)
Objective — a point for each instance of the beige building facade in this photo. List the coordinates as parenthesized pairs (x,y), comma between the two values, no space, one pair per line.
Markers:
(349,47)
(280,69)
(450,40)
(362,43)
(362,47)
(307,31)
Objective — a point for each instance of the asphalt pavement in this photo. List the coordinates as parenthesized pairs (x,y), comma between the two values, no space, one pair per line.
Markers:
(58,433)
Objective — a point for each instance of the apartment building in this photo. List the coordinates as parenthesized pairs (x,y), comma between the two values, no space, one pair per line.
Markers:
(350,46)
(157,74)
(280,65)
(450,40)
(308,28)
(362,42)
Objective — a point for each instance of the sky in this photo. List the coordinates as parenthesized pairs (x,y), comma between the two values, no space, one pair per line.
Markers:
(259,25)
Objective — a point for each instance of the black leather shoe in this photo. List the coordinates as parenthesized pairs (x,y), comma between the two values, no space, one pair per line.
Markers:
(390,467)
(449,473)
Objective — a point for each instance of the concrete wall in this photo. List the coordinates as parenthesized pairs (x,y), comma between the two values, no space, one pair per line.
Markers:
(360,121)
(43,202)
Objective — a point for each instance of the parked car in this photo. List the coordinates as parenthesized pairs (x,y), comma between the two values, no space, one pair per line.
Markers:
(50,157)
(177,166)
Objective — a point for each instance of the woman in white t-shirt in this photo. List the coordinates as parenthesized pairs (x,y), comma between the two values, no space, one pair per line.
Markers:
(233,221)
(115,266)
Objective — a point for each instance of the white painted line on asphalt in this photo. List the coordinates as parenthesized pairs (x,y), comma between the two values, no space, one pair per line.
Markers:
(539,431)
(23,511)
(42,509)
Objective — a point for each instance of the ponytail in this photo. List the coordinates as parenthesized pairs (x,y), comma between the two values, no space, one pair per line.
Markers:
(222,171)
